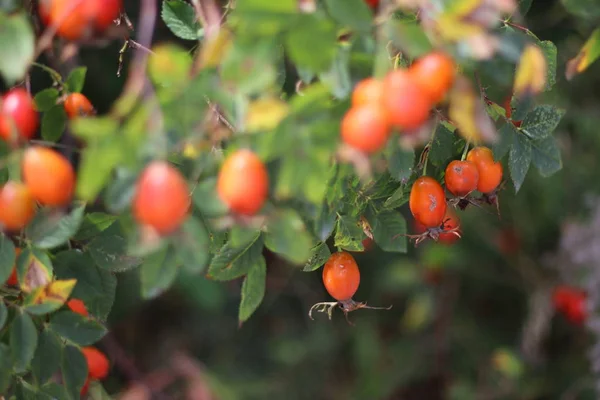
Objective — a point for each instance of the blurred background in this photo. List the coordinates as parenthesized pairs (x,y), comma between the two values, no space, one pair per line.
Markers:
(471,321)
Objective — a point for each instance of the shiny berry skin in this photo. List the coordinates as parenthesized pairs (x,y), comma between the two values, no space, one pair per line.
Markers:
(48,175)
(341,276)
(80,20)
(18,111)
(367,91)
(162,198)
(243,182)
(434,74)
(78,306)
(490,172)
(427,202)
(461,177)
(17,206)
(44,11)
(451,223)
(365,128)
(13,280)
(97,362)
(77,105)
(406,104)
(571,302)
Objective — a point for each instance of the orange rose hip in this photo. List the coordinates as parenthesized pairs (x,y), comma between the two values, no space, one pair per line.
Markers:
(48,175)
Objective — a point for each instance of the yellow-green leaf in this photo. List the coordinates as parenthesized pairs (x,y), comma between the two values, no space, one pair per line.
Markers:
(44,300)
(265,114)
(586,56)
(531,75)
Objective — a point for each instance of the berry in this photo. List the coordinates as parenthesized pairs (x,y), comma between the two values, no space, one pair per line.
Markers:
(450,230)
(571,302)
(78,306)
(372,3)
(13,280)
(243,182)
(365,128)
(490,172)
(461,177)
(48,175)
(367,91)
(79,20)
(77,105)
(17,206)
(97,362)
(404,101)
(162,198)
(18,113)
(427,202)
(341,276)
(434,74)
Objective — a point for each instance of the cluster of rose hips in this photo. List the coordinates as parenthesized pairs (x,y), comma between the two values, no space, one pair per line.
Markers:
(402,100)
(571,302)
(428,203)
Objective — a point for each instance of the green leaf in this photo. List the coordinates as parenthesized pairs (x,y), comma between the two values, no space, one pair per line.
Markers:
(231,263)
(266,17)
(17,41)
(50,229)
(337,78)
(349,235)
(542,121)
(93,224)
(77,328)
(441,148)
(76,80)
(98,160)
(549,50)
(74,370)
(34,269)
(5,368)
(47,357)
(55,391)
(387,228)
(120,191)
(46,99)
(23,341)
(93,128)
(3,314)
(181,19)
(519,160)
(320,255)
(312,43)
(158,272)
(7,257)
(109,252)
(324,223)
(54,123)
(398,198)
(192,245)
(506,136)
(355,14)
(253,289)
(409,37)
(287,235)
(589,9)
(401,163)
(95,287)
(207,200)
(524,6)
(546,156)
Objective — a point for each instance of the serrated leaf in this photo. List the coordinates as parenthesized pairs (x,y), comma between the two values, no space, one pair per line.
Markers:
(34,269)
(17,41)
(532,72)
(7,257)
(158,272)
(181,19)
(54,123)
(519,160)
(549,50)
(324,223)
(441,147)
(312,43)
(50,229)
(401,163)
(546,156)
(74,370)
(388,228)
(349,235)
(586,56)
(76,328)
(253,289)
(23,341)
(98,161)
(231,263)
(287,235)
(192,245)
(506,136)
(47,357)
(109,252)
(76,79)
(354,14)
(320,255)
(542,121)
(93,224)
(49,298)
(46,99)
